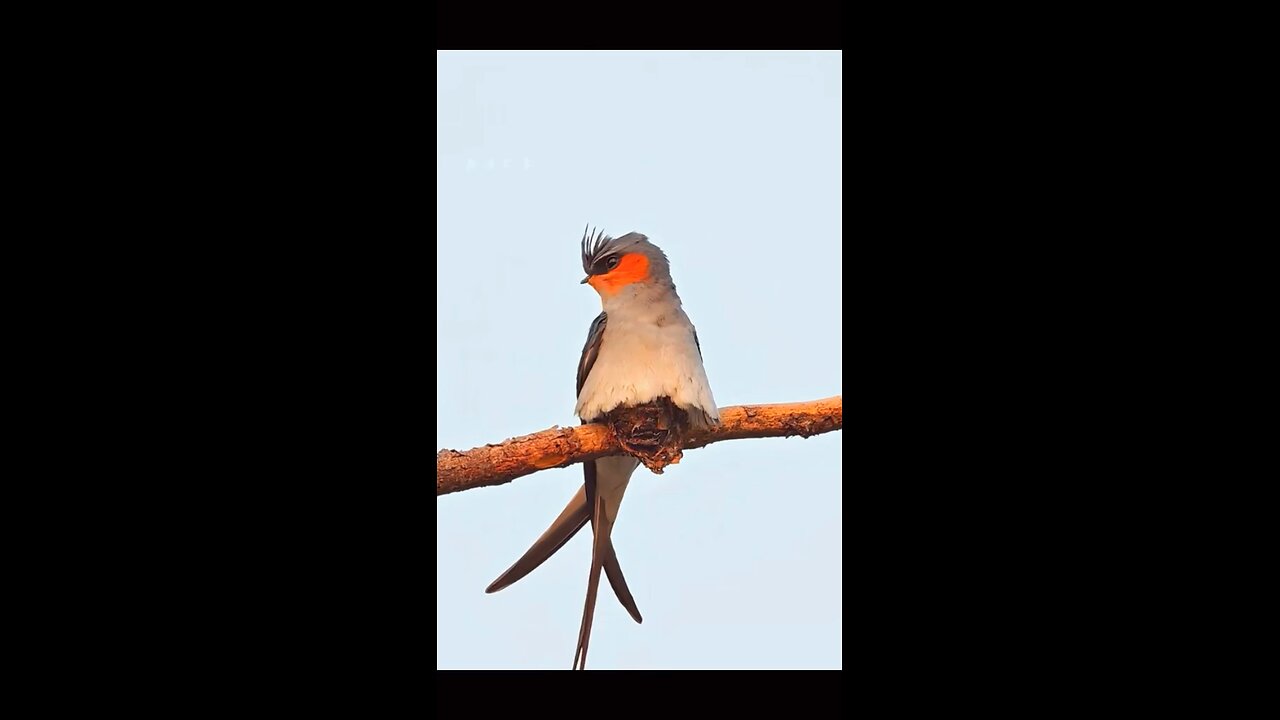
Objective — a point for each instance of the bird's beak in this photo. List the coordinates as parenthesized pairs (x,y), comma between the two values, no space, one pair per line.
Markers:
(584,280)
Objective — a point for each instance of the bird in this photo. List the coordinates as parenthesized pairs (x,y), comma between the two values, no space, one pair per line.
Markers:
(641,373)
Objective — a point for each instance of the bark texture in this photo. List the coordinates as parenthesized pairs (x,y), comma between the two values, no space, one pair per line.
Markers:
(561,447)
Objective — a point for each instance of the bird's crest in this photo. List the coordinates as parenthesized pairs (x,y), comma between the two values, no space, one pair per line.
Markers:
(596,245)
(593,246)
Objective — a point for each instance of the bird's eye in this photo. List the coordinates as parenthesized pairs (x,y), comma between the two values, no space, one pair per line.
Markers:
(611,263)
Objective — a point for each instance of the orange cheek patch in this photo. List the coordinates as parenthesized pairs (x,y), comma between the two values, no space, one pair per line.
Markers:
(632,268)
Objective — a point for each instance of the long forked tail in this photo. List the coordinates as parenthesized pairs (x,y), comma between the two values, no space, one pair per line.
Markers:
(570,521)
(602,526)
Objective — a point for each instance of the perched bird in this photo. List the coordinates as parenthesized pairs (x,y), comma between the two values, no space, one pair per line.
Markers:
(640,373)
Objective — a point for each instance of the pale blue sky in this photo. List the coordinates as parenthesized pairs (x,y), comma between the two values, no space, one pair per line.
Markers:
(731,163)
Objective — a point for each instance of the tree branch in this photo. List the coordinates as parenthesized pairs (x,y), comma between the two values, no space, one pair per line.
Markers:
(561,447)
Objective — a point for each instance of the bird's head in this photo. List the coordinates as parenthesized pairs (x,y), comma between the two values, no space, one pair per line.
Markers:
(613,264)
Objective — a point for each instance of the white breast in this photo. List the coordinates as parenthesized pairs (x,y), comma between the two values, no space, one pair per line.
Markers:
(645,355)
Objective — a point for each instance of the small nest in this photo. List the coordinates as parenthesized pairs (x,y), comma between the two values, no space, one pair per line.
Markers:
(652,432)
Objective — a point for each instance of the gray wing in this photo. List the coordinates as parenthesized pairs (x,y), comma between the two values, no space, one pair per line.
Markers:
(591,350)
